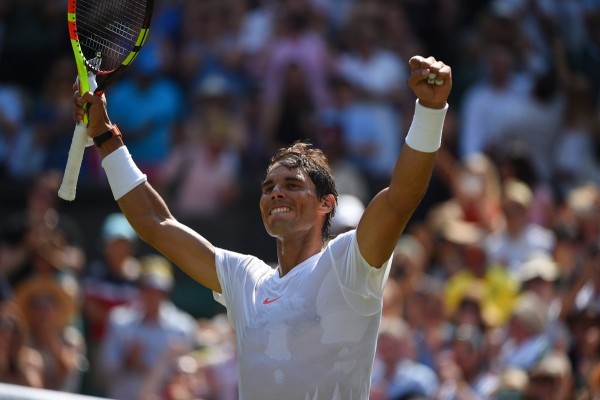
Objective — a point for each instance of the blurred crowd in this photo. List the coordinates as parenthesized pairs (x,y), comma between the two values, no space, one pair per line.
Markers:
(494,291)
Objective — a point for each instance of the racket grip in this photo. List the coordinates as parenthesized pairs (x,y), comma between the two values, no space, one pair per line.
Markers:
(68,186)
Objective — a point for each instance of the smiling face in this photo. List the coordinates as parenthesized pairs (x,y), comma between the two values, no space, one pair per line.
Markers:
(304,170)
(289,202)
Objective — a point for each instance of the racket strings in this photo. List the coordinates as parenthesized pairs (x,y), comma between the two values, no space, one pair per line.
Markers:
(109,29)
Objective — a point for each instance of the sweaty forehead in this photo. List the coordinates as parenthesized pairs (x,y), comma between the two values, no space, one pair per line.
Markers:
(278,170)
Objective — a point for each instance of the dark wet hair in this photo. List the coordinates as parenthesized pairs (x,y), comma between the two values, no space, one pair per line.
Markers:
(305,156)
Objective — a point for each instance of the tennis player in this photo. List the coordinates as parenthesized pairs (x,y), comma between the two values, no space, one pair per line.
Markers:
(306,329)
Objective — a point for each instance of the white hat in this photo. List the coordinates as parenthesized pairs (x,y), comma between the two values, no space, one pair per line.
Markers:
(540,265)
(349,211)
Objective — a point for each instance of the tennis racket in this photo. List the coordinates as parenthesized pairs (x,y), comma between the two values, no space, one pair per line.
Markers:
(106,36)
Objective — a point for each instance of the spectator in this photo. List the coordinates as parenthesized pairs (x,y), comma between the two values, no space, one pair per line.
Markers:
(539,275)
(50,311)
(147,104)
(20,364)
(584,352)
(575,157)
(409,265)
(209,44)
(489,284)
(349,179)
(220,358)
(512,384)
(375,76)
(526,339)
(348,214)
(395,373)
(512,245)
(202,172)
(295,43)
(536,121)
(551,379)
(476,186)
(487,101)
(592,389)
(516,163)
(109,282)
(464,369)
(140,333)
(13,124)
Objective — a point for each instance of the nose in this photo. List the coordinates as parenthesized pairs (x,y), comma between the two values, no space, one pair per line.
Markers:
(276,192)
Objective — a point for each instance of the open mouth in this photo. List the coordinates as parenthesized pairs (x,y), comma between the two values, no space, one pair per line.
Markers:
(279,210)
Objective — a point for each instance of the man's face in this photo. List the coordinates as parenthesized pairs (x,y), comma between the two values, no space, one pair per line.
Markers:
(289,202)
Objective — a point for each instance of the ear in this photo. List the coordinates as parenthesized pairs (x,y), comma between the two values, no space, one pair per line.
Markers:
(327,203)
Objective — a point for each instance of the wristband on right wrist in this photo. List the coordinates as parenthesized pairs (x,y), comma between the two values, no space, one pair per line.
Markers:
(122,173)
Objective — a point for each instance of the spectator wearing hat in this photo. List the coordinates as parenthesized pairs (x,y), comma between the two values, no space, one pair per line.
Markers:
(478,282)
(526,339)
(350,209)
(409,263)
(512,383)
(139,334)
(475,184)
(539,275)
(20,364)
(551,379)
(49,310)
(110,281)
(512,245)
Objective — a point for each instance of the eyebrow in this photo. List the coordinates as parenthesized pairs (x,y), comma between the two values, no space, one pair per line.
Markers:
(267,182)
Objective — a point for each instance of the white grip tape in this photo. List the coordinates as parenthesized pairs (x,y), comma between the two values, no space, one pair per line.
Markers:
(122,173)
(68,187)
(425,133)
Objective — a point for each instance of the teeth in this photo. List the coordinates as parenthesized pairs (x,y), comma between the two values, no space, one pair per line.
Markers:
(279,210)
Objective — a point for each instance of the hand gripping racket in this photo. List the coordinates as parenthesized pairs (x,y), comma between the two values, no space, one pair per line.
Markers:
(106,36)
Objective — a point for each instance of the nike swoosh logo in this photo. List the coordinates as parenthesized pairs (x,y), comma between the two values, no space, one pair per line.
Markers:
(269,301)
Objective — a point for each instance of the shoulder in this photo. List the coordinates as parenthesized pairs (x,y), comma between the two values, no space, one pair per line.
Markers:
(232,259)
(344,239)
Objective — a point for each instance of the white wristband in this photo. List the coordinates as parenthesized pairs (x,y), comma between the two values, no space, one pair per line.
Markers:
(122,173)
(425,133)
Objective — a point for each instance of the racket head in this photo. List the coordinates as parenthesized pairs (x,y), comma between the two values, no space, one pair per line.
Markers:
(106,36)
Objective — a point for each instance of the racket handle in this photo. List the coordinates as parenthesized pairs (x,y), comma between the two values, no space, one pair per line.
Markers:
(79,142)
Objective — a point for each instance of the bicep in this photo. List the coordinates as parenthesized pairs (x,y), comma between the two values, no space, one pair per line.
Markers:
(188,250)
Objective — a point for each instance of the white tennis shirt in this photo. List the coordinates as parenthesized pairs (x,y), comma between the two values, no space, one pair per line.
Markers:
(311,334)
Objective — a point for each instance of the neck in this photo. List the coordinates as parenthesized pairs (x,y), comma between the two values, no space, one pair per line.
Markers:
(290,253)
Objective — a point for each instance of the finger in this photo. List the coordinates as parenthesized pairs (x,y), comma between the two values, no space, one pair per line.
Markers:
(442,75)
(424,68)
(415,62)
(89,97)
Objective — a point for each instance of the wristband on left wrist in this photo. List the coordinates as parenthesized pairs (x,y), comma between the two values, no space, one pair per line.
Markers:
(103,137)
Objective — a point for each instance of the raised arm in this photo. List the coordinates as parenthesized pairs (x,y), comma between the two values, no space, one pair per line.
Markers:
(144,208)
(388,213)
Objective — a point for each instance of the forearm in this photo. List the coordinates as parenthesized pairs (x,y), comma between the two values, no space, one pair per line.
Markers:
(151,219)
(415,164)
(377,237)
